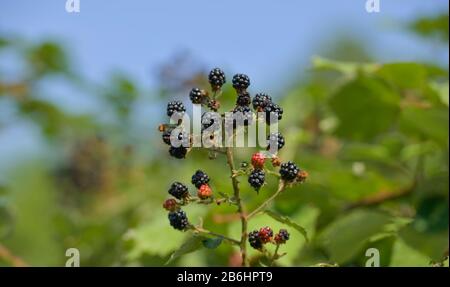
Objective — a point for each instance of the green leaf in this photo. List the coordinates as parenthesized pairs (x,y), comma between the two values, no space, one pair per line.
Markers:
(212,243)
(192,244)
(347,68)
(286,220)
(365,107)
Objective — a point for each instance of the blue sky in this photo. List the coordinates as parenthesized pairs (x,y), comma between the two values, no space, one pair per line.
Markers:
(262,38)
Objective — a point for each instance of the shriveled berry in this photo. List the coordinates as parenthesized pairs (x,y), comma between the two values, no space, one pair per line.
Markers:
(216,78)
(178,190)
(260,101)
(258,160)
(273,112)
(196,96)
(241,82)
(244,99)
(265,234)
(254,240)
(178,219)
(275,141)
(256,178)
(170,204)
(302,175)
(200,178)
(204,191)
(282,236)
(289,171)
(178,152)
(175,107)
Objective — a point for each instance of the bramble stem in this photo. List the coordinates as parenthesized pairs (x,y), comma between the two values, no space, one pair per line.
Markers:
(241,210)
(207,232)
(281,187)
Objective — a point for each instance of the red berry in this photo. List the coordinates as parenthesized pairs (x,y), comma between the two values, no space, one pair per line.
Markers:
(170,204)
(204,191)
(258,160)
(265,234)
(282,236)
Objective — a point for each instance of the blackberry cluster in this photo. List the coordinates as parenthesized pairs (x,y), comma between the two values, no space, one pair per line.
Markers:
(260,101)
(274,111)
(244,99)
(275,139)
(240,82)
(289,171)
(199,178)
(178,152)
(178,219)
(216,78)
(178,190)
(254,240)
(256,178)
(175,107)
(242,115)
(282,236)
(196,96)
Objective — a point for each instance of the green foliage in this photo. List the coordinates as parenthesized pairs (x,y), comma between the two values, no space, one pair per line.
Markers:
(435,27)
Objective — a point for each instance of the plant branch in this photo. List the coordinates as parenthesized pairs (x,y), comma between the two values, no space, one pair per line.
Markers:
(281,187)
(15,261)
(207,232)
(241,210)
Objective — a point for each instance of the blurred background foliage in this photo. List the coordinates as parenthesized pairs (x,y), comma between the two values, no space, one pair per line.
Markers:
(374,138)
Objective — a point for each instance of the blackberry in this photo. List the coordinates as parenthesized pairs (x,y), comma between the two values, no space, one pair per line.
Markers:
(166,136)
(241,82)
(289,171)
(242,115)
(170,204)
(282,236)
(178,219)
(178,152)
(256,178)
(199,178)
(216,78)
(204,192)
(274,111)
(196,96)
(275,140)
(254,240)
(265,234)
(175,107)
(258,160)
(244,99)
(260,101)
(209,119)
(182,139)
(178,190)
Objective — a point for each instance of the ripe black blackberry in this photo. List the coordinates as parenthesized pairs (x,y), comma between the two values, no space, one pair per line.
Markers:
(242,115)
(244,99)
(175,106)
(289,171)
(199,178)
(260,101)
(196,96)
(256,178)
(282,236)
(241,82)
(178,152)
(273,112)
(216,78)
(209,119)
(275,140)
(178,190)
(254,239)
(178,219)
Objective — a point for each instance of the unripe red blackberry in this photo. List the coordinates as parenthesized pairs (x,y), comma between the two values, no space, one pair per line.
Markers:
(265,234)
(258,160)
(178,219)
(289,171)
(204,192)
(282,236)
(242,115)
(260,101)
(256,178)
(196,96)
(200,178)
(254,240)
(178,152)
(275,140)
(241,82)
(175,107)
(244,99)
(170,204)
(178,190)
(273,112)
(216,78)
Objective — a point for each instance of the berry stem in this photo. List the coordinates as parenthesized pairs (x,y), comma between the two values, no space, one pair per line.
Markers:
(241,210)
(281,187)
(207,232)
(275,255)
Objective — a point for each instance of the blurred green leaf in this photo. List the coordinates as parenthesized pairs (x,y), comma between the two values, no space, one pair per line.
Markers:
(286,220)
(346,68)
(435,27)
(192,244)
(47,57)
(212,243)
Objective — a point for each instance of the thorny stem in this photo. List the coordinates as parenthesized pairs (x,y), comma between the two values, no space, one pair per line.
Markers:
(281,187)
(241,210)
(207,232)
